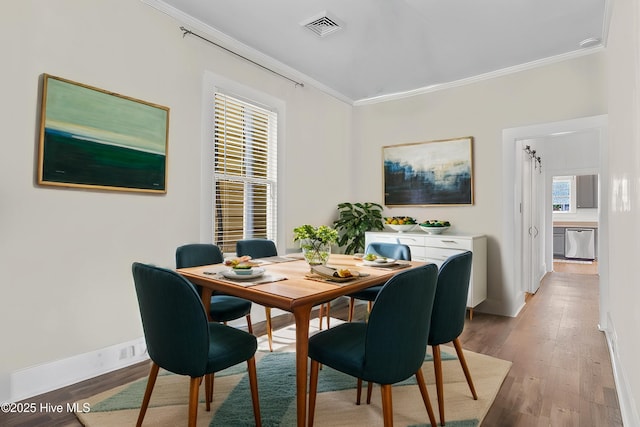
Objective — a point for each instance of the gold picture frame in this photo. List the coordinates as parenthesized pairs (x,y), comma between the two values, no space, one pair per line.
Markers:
(432,173)
(92,138)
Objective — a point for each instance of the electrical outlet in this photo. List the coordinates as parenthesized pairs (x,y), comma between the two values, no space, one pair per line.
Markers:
(127,352)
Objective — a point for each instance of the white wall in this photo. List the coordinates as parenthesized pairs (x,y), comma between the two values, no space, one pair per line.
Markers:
(561,91)
(65,255)
(622,59)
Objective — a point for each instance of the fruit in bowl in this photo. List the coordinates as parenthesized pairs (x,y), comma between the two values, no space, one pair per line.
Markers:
(401,223)
(242,261)
(400,220)
(435,226)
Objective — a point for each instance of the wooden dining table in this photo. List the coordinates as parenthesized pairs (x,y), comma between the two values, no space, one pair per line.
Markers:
(296,291)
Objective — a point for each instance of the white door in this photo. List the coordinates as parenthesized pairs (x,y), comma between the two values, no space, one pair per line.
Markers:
(531,235)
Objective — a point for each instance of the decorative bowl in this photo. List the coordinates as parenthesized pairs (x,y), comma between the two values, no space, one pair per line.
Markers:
(402,228)
(234,274)
(243,271)
(434,230)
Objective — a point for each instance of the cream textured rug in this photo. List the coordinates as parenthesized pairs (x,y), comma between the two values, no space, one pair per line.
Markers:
(276,378)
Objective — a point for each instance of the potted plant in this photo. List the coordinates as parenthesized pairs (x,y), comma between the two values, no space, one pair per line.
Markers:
(354,219)
(315,242)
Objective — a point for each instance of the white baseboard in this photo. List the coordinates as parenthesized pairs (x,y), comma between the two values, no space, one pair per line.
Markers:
(628,410)
(49,376)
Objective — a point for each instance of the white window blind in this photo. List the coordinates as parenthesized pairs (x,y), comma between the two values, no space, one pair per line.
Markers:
(245,172)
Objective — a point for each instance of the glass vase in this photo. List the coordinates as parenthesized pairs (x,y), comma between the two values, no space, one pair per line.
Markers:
(315,252)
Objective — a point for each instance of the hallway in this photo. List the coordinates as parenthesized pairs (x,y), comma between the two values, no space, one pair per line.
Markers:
(561,374)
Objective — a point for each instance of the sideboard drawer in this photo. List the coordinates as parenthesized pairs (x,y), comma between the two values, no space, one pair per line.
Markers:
(441,254)
(410,240)
(437,248)
(449,242)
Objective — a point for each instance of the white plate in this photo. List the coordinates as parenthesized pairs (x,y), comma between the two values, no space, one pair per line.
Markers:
(231,274)
(379,263)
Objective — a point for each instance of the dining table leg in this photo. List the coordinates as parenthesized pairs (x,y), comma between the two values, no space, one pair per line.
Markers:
(302,317)
(206,294)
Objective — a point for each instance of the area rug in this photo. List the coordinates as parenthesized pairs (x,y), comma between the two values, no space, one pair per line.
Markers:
(276,381)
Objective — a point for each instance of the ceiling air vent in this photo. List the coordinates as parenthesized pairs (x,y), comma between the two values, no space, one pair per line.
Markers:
(322,25)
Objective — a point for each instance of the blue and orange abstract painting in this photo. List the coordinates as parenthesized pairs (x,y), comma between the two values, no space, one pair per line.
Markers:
(93,138)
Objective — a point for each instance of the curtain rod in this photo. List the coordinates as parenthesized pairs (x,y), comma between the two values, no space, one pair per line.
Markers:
(186,32)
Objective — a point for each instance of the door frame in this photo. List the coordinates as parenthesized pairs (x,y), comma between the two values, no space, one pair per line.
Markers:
(511,194)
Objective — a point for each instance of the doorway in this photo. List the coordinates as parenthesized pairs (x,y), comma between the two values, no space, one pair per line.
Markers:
(575,212)
(548,134)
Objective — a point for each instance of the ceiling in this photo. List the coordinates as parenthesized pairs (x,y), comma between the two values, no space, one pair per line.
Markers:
(389,47)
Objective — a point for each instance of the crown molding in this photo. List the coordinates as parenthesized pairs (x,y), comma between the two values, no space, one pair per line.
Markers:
(267,61)
(480,77)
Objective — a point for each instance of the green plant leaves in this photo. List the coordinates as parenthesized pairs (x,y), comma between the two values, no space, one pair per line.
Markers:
(354,220)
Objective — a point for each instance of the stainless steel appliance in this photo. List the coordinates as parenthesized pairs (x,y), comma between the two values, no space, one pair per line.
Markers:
(580,243)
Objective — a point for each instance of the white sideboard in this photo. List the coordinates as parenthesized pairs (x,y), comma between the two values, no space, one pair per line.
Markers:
(437,248)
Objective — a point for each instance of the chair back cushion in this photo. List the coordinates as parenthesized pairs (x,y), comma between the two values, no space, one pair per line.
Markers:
(398,327)
(390,250)
(256,248)
(197,254)
(174,321)
(450,306)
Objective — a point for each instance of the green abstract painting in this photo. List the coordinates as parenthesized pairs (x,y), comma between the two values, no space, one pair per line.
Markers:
(93,138)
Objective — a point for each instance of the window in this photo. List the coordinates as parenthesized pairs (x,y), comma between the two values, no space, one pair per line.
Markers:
(563,194)
(245,172)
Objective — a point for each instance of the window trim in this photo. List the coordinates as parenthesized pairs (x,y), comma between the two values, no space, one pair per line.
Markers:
(213,83)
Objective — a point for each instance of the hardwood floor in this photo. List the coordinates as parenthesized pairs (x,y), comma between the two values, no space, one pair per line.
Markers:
(561,373)
(576,268)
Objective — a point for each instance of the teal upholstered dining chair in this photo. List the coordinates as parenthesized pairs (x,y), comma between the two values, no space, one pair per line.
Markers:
(256,248)
(447,319)
(181,339)
(259,248)
(224,308)
(387,250)
(264,248)
(390,347)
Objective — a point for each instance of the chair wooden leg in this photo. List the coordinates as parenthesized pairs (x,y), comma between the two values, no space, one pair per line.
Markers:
(358,391)
(437,367)
(387,405)
(313,390)
(208,391)
(211,378)
(249,325)
(328,314)
(425,396)
(253,382)
(352,303)
(369,391)
(320,316)
(153,374)
(194,387)
(369,307)
(465,368)
(267,311)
